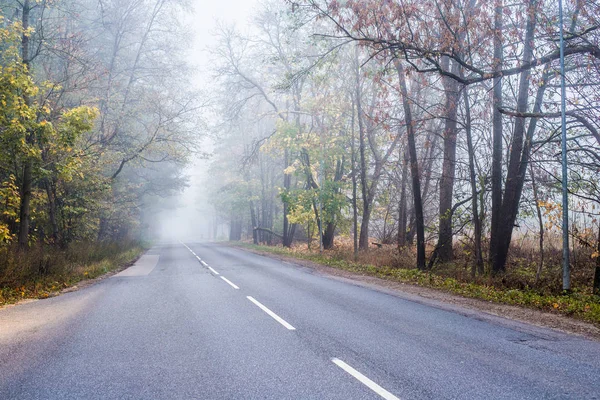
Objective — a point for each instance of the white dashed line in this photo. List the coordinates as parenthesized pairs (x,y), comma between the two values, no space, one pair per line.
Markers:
(233,285)
(271,314)
(364,380)
(213,271)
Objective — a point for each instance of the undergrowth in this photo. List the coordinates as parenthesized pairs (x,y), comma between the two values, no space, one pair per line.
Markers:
(44,271)
(513,288)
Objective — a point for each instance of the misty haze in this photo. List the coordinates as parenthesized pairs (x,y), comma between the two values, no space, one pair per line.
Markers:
(313,199)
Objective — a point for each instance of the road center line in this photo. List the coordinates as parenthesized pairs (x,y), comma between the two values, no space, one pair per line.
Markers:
(233,285)
(271,314)
(213,271)
(364,380)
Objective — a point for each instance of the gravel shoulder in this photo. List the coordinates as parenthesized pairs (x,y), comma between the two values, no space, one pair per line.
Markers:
(481,309)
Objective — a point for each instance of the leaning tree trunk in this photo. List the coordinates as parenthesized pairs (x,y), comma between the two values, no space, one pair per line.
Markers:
(414,168)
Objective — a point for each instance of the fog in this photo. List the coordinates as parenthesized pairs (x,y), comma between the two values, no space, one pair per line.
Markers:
(191,217)
(334,138)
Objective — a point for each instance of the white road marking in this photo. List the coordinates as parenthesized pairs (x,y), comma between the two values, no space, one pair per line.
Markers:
(233,285)
(213,271)
(364,380)
(206,265)
(143,266)
(271,314)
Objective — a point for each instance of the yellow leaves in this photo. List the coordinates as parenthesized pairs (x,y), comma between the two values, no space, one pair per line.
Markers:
(596,254)
(555,305)
(5,235)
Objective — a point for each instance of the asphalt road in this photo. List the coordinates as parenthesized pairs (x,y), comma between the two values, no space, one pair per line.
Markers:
(212,322)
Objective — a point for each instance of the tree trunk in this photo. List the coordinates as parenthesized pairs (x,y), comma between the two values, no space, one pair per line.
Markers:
(427,162)
(235,229)
(596,285)
(478,266)
(215,228)
(328,236)
(363,241)
(27,182)
(402,212)
(288,229)
(518,158)
(444,246)
(354,190)
(538,210)
(414,168)
(24,212)
(50,193)
(254,223)
(496,137)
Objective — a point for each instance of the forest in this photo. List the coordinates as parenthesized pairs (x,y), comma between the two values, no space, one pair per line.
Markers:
(97,121)
(414,134)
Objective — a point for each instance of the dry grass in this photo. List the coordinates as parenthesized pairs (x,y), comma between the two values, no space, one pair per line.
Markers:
(520,270)
(43,271)
(518,286)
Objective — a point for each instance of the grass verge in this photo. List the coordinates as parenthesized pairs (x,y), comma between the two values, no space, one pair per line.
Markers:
(577,304)
(44,272)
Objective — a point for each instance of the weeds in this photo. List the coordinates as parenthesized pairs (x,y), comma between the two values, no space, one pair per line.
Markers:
(517,287)
(43,271)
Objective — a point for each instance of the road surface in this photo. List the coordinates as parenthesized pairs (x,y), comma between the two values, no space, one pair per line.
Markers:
(206,321)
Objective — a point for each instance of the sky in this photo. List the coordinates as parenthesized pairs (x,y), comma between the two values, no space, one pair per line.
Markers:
(191,220)
(203,20)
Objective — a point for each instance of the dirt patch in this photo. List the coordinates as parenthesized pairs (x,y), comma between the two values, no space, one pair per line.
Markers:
(441,299)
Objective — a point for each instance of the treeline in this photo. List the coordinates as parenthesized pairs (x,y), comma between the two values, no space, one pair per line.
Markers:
(429,125)
(97,117)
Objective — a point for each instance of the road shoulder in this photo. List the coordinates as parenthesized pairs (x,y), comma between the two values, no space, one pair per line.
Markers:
(517,317)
